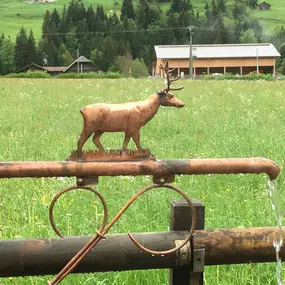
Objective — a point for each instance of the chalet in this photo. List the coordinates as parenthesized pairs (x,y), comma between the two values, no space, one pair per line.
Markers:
(82,64)
(264,6)
(238,59)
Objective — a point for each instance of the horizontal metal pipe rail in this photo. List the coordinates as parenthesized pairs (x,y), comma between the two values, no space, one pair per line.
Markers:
(117,252)
(134,168)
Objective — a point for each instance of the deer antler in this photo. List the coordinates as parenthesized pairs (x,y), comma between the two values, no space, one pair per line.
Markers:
(167,80)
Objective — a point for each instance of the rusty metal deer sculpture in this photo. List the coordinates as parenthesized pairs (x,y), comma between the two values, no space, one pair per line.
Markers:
(128,117)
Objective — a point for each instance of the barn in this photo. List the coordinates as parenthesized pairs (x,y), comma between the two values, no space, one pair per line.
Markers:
(238,59)
(264,6)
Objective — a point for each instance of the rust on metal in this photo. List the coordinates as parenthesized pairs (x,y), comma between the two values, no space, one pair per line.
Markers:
(111,155)
(104,229)
(128,118)
(135,168)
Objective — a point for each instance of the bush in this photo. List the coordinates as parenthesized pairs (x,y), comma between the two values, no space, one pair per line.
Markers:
(29,74)
(99,74)
(228,76)
(139,68)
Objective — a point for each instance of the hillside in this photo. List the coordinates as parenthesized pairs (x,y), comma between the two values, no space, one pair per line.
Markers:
(17,13)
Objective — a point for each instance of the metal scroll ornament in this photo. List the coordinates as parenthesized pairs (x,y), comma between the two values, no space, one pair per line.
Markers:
(103,230)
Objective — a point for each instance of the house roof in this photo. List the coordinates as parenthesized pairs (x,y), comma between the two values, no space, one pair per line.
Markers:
(264,2)
(30,65)
(43,68)
(81,59)
(216,51)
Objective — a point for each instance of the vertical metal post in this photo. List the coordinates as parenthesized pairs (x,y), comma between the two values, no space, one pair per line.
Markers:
(190,57)
(180,219)
(257,67)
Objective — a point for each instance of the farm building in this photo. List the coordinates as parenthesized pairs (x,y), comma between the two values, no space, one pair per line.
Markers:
(264,6)
(82,64)
(238,59)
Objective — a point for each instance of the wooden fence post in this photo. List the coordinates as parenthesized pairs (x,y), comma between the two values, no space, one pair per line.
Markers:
(180,219)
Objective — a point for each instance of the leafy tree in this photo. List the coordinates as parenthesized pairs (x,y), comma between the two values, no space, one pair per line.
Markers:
(282,67)
(239,10)
(127,10)
(138,68)
(65,57)
(6,55)
(282,50)
(48,50)
(124,64)
(248,36)
(252,4)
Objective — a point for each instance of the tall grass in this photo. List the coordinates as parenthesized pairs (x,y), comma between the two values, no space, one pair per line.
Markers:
(40,120)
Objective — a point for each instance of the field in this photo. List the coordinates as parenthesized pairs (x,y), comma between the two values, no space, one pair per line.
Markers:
(40,120)
(17,13)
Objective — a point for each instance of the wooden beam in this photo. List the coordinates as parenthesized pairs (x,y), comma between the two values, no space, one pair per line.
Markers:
(117,252)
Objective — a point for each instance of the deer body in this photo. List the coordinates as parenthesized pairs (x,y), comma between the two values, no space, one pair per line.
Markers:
(128,118)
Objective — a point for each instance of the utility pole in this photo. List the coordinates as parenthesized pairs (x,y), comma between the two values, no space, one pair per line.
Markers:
(77,60)
(191,28)
(257,65)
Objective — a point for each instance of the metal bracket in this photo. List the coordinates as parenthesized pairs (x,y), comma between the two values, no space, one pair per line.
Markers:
(184,253)
(198,260)
(163,179)
(84,181)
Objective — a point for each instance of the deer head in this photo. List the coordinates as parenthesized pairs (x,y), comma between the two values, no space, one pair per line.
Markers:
(167,98)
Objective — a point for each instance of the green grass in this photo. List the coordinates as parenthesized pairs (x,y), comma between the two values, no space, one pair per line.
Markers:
(40,120)
(273,17)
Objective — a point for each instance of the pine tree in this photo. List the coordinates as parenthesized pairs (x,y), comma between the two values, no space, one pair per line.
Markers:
(21,57)
(32,51)
(178,6)
(46,24)
(127,10)
(55,18)
(221,6)
(148,12)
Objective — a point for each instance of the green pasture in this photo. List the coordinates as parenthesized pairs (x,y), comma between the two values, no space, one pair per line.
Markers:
(17,13)
(272,18)
(40,121)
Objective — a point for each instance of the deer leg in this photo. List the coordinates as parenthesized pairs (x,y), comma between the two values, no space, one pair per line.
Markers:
(96,140)
(136,138)
(82,139)
(126,142)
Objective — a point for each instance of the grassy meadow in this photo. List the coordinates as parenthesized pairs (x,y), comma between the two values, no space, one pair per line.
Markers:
(40,120)
(17,13)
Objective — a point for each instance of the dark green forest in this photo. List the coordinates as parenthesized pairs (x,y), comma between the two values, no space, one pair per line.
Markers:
(112,41)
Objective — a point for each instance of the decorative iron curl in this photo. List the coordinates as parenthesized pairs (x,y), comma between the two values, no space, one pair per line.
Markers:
(104,229)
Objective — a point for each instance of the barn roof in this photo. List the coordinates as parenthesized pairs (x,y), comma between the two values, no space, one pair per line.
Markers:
(81,59)
(216,51)
(264,2)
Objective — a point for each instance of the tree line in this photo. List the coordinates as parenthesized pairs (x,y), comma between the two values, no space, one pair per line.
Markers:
(117,43)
